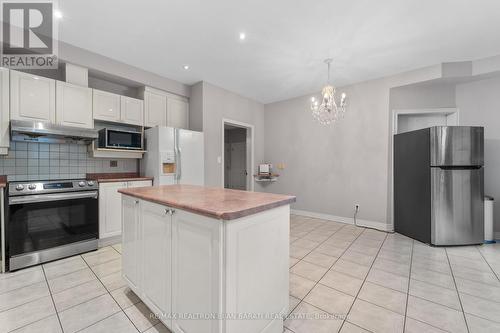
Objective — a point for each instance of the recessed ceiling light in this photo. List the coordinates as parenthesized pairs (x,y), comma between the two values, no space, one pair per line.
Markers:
(58,14)
(242,36)
(186,67)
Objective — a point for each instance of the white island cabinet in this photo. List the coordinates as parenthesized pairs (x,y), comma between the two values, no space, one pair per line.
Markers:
(204,265)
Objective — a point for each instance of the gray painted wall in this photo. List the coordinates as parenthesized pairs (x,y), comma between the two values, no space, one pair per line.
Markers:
(217,104)
(479,105)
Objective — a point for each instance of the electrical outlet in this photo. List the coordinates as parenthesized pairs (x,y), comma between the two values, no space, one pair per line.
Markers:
(113,164)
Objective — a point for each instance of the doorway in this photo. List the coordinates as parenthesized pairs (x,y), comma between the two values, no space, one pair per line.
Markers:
(237,155)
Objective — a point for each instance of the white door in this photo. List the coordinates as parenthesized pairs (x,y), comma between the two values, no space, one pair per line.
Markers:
(191,157)
(131,263)
(196,270)
(177,113)
(73,105)
(155,109)
(132,111)
(106,106)
(109,209)
(237,171)
(156,256)
(32,97)
(4,110)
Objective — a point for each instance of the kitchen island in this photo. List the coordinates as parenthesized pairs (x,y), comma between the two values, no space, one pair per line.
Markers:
(208,259)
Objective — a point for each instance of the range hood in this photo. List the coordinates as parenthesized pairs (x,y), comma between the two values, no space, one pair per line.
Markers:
(37,131)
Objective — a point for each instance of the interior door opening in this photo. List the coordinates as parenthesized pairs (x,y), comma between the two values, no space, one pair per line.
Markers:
(235,157)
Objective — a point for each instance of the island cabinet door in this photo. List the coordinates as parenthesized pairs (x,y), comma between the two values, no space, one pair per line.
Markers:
(196,272)
(131,242)
(157,258)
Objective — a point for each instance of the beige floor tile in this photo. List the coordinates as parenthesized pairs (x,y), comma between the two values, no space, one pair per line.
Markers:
(439,316)
(347,327)
(339,243)
(439,279)
(141,316)
(308,270)
(394,256)
(358,258)
(113,281)
(99,308)
(389,280)
(47,325)
(375,318)
(160,328)
(320,259)
(293,261)
(317,237)
(117,323)
(307,318)
(432,265)
(369,250)
(470,252)
(101,256)
(23,295)
(26,314)
(330,250)
(306,243)
(292,303)
(478,289)
(387,298)
(475,275)
(63,267)
(476,264)
(480,325)
(415,326)
(125,297)
(71,280)
(342,282)
(77,295)
(329,300)
(299,286)
(481,307)
(107,268)
(436,294)
(402,269)
(350,268)
(10,282)
(298,252)
(118,247)
(17,273)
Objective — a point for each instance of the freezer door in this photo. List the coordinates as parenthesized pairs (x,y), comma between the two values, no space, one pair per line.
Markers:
(457,145)
(190,157)
(457,208)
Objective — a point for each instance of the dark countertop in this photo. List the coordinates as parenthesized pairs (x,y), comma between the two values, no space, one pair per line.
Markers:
(213,202)
(116,177)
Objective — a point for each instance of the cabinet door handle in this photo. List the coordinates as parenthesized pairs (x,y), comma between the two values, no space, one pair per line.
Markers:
(136,202)
(172,211)
(167,211)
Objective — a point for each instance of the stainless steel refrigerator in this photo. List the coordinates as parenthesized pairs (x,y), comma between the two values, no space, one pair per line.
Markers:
(439,185)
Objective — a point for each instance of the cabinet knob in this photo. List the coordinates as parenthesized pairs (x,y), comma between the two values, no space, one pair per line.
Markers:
(136,201)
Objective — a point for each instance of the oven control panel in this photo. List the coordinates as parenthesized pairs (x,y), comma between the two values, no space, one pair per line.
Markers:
(54,186)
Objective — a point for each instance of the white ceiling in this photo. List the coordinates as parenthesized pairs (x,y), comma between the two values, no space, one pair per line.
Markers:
(287,40)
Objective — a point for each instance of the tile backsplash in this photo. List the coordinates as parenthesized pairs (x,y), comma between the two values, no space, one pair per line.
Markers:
(42,161)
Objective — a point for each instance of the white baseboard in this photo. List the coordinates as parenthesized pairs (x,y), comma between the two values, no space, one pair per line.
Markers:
(347,220)
(103,242)
(497,235)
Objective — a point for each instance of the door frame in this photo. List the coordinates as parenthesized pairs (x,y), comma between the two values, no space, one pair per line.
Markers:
(394,129)
(250,150)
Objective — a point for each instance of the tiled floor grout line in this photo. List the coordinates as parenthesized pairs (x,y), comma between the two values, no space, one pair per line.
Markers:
(52,298)
(109,293)
(408,289)
(488,263)
(459,297)
(364,280)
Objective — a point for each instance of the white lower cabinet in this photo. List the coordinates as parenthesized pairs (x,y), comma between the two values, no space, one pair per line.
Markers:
(110,213)
(131,265)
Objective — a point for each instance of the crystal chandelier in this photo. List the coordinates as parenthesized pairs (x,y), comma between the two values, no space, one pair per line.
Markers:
(328,111)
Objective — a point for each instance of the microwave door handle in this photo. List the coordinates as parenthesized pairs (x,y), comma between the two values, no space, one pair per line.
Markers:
(51,197)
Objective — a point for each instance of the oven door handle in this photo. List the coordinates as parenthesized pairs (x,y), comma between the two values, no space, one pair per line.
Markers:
(51,197)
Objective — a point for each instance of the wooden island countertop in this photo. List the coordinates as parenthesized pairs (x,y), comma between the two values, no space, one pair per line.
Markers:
(213,202)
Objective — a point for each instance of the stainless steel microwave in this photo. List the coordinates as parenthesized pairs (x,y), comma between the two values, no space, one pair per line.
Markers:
(120,139)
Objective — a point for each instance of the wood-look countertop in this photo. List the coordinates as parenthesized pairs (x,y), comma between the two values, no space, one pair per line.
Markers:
(116,177)
(213,202)
(3,181)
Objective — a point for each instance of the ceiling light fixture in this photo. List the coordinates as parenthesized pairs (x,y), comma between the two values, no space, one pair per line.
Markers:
(58,14)
(186,67)
(242,36)
(328,111)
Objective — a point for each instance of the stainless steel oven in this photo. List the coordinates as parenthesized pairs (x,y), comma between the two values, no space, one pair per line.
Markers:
(50,220)
(120,139)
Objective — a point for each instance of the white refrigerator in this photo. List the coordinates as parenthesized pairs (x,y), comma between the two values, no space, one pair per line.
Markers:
(174,156)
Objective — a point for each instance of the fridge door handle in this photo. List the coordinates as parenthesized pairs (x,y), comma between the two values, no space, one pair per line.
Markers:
(178,166)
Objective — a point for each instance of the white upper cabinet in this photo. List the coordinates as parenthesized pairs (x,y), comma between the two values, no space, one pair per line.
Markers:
(4,110)
(177,112)
(106,106)
(32,97)
(155,108)
(132,111)
(73,105)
